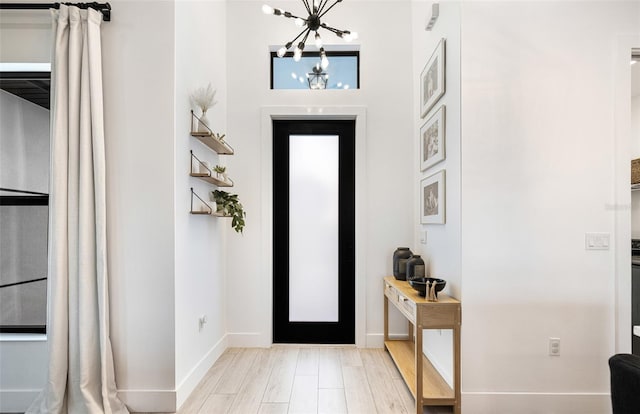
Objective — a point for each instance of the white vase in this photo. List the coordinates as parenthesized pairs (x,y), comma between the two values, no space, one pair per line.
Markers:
(203,125)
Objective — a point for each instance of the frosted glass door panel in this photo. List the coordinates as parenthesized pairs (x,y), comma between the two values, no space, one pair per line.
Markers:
(313,228)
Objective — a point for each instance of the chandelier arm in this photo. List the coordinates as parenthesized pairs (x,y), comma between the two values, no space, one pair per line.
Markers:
(288,15)
(300,34)
(323,4)
(330,7)
(304,40)
(306,6)
(331,29)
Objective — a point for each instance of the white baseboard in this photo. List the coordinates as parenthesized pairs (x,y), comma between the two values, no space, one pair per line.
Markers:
(149,401)
(168,401)
(16,401)
(377,340)
(248,340)
(193,378)
(535,403)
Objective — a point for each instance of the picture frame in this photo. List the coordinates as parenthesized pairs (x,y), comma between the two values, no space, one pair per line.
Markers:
(432,79)
(432,139)
(433,199)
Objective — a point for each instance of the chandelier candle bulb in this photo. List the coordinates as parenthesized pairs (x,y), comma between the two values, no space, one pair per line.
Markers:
(324,62)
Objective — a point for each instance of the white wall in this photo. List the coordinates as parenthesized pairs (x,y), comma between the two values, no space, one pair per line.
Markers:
(139,74)
(200,37)
(386,82)
(442,249)
(538,154)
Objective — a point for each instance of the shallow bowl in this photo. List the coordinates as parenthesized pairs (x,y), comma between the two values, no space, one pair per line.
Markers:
(422,283)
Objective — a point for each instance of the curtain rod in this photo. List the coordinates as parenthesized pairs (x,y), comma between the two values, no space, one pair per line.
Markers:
(104,8)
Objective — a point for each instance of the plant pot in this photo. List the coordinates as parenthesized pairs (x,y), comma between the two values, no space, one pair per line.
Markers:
(203,123)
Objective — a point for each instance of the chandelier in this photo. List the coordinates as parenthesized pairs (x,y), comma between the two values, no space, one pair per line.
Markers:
(317,79)
(311,24)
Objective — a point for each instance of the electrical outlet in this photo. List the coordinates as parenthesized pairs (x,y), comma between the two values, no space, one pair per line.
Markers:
(554,346)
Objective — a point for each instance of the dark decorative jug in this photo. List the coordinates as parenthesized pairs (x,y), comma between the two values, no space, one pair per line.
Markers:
(400,257)
(415,267)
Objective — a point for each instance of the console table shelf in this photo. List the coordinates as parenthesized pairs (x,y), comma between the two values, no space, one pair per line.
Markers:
(435,389)
(425,383)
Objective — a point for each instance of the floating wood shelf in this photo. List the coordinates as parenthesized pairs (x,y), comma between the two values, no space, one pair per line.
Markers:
(214,143)
(206,213)
(203,172)
(212,180)
(207,137)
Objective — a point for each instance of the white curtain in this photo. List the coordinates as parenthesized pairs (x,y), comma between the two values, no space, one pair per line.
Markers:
(80,377)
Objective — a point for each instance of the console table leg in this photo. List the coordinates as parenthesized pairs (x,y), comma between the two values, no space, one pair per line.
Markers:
(418,357)
(457,409)
(386,318)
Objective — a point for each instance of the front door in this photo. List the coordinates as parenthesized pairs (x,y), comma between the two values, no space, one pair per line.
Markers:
(314,231)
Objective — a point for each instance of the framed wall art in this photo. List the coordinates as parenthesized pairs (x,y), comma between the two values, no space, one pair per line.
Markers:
(432,199)
(432,139)
(432,79)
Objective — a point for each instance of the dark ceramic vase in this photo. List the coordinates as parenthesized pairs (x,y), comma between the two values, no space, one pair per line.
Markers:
(400,257)
(415,267)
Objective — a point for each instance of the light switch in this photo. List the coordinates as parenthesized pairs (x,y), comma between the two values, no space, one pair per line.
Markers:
(597,241)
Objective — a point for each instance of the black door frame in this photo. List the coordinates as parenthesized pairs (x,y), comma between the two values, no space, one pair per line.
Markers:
(343,331)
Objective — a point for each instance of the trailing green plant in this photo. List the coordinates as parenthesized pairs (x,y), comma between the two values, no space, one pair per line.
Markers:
(220,169)
(229,205)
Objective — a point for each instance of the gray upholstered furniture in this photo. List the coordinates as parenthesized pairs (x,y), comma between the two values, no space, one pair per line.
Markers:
(625,383)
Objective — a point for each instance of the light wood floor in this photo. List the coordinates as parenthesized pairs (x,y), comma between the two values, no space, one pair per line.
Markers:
(291,379)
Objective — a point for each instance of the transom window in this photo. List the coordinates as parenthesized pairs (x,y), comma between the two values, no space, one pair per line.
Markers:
(343,71)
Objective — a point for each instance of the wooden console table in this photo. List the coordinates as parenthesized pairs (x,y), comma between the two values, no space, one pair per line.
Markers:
(425,382)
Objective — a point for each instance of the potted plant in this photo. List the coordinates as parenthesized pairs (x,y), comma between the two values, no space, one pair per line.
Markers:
(204,99)
(230,206)
(221,172)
